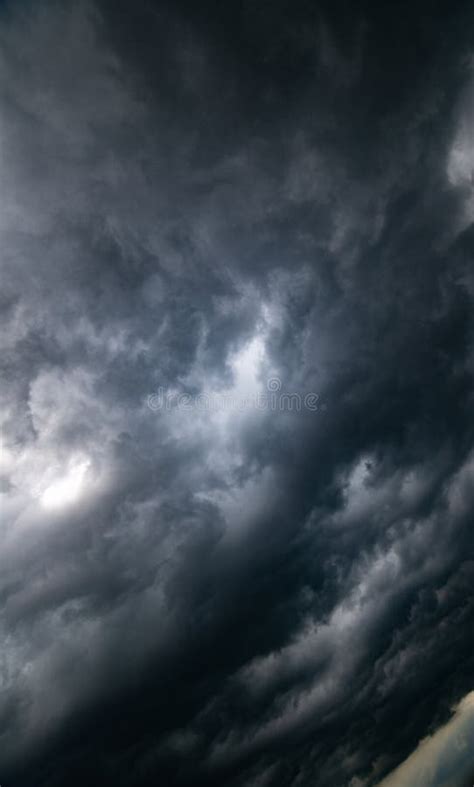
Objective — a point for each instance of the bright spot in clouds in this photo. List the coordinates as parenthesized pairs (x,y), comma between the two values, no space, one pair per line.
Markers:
(246,366)
(66,489)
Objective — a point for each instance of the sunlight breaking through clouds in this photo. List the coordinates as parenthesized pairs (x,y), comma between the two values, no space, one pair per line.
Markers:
(66,489)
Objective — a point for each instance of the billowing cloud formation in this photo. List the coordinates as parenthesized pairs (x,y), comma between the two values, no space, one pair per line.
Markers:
(208,216)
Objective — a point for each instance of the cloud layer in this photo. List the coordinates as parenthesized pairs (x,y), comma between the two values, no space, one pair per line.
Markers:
(210,203)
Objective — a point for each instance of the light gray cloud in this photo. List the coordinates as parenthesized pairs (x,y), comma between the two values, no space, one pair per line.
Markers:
(442,759)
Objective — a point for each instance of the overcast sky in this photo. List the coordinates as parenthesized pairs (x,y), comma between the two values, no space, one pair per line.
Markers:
(237,349)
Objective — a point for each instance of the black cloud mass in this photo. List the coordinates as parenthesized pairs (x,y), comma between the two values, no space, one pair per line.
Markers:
(237,392)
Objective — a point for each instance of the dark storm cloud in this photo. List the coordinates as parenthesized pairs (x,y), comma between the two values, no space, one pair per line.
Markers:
(199,200)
